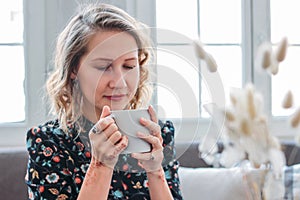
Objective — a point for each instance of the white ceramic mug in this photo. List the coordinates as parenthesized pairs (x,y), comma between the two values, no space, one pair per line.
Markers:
(128,122)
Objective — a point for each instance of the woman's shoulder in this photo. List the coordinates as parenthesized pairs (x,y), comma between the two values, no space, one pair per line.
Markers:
(49,132)
(46,129)
(48,143)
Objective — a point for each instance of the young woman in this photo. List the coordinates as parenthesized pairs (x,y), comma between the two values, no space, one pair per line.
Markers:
(100,65)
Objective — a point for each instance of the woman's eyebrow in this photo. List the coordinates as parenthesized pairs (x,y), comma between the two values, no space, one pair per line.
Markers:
(133,58)
(102,59)
(111,60)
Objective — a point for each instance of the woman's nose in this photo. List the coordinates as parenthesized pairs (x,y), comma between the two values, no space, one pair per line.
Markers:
(118,79)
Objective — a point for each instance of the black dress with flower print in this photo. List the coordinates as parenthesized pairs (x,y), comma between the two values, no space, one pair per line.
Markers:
(58,162)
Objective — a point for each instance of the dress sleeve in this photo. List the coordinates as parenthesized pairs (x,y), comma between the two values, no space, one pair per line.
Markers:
(49,170)
(170,164)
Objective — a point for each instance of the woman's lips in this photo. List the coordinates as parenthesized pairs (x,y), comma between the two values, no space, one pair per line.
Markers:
(117,97)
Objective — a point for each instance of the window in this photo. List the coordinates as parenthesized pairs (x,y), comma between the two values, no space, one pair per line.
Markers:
(231,31)
(221,34)
(32,50)
(12,72)
(23,46)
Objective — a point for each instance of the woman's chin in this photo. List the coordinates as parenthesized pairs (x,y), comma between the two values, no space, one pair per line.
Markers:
(118,107)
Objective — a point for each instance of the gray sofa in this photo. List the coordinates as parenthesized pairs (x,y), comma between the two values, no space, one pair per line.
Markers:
(13,165)
(187,152)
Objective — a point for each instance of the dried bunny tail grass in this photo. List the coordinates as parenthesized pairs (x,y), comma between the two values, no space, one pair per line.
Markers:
(211,63)
(233,99)
(199,50)
(262,120)
(259,104)
(229,115)
(245,127)
(295,119)
(273,142)
(277,160)
(288,100)
(282,49)
(256,165)
(266,59)
(236,96)
(274,68)
(250,101)
(264,55)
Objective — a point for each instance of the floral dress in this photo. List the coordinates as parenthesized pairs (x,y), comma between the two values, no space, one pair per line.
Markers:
(58,162)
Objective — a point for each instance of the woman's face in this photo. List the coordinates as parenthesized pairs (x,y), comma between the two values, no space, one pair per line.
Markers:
(108,73)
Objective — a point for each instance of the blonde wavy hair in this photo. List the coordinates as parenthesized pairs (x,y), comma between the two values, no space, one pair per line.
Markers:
(64,95)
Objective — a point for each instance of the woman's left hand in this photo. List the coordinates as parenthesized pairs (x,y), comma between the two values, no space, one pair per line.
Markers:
(151,161)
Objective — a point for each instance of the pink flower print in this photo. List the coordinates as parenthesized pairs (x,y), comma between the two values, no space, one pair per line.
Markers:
(80,146)
(125,167)
(47,151)
(38,140)
(35,130)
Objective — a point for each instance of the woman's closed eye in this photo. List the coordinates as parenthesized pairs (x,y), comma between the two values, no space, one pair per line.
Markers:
(129,66)
(104,67)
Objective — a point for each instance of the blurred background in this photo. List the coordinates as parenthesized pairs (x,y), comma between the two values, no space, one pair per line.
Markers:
(230,30)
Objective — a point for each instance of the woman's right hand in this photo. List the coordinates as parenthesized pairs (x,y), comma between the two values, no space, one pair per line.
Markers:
(106,140)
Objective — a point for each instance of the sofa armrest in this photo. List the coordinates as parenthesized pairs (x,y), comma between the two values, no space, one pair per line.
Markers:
(188,155)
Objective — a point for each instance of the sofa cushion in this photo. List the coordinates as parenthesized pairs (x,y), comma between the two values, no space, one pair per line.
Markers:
(235,183)
(292,182)
(220,183)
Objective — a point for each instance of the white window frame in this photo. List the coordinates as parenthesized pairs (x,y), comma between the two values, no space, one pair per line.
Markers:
(261,16)
(43,20)
(13,134)
(255,30)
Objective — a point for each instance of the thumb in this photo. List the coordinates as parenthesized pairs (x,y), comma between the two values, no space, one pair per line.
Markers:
(105,112)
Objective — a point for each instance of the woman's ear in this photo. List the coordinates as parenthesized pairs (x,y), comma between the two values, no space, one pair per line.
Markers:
(73,75)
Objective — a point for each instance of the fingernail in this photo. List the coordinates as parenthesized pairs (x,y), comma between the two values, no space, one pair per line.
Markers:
(142,119)
(132,155)
(151,108)
(140,134)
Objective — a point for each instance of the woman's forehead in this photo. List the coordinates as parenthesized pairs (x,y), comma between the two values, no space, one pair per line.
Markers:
(111,45)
